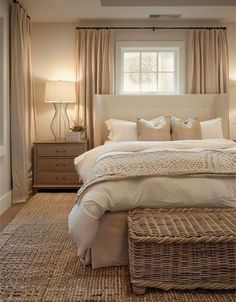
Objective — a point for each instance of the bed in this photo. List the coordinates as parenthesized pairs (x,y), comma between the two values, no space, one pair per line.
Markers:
(98,224)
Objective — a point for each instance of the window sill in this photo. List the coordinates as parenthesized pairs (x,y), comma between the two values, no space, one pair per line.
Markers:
(148,93)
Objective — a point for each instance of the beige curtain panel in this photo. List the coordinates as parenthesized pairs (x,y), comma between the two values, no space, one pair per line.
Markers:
(22,104)
(208,68)
(94,72)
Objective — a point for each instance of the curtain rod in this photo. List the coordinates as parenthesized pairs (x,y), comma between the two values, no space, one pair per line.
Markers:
(21,6)
(149,27)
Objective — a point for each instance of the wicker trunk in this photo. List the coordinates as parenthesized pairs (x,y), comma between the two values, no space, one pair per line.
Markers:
(182,248)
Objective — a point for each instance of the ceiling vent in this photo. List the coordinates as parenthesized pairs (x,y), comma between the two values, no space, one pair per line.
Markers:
(164,17)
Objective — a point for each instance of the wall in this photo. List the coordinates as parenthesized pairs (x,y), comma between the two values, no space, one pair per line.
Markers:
(5,170)
(54,59)
(53,52)
(232,77)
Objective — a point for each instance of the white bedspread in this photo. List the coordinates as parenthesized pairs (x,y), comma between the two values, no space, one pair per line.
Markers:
(144,192)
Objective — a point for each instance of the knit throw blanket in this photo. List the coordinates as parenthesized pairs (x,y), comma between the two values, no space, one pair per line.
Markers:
(171,163)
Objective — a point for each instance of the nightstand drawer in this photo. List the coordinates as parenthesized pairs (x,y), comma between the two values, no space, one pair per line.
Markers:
(55,164)
(57,178)
(64,150)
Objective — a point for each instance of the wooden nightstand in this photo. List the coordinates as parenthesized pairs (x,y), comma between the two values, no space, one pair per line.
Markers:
(54,164)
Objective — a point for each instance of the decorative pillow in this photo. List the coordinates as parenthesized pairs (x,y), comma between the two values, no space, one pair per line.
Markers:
(155,130)
(212,128)
(121,130)
(184,130)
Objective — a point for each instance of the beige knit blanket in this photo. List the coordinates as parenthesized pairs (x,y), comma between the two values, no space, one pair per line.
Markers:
(171,163)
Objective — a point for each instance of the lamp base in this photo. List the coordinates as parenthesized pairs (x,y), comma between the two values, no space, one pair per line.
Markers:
(60,123)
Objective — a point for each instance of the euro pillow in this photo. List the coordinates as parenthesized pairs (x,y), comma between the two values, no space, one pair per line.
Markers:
(212,129)
(185,130)
(121,130)
(155,130)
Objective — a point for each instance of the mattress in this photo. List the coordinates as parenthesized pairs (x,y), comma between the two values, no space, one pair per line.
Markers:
(155,192)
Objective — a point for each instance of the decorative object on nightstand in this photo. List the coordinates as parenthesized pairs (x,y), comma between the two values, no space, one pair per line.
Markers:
(54,164)
(76,134)
(60,94)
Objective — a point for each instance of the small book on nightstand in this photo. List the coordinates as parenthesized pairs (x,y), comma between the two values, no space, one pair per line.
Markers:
(54,164)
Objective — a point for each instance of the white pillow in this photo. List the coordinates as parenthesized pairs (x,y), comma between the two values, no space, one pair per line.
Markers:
(121,130)
(212,128)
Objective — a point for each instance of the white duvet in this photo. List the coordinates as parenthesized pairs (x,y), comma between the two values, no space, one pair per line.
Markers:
(152,192)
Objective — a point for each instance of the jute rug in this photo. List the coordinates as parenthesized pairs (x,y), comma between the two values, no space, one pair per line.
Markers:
(38,262)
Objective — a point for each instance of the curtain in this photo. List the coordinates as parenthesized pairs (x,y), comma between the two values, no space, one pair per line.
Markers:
(22,103)
(94,72)
(208,69)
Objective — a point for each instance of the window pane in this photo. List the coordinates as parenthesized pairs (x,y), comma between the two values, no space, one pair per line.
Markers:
(166,61)
(148,61)
(131,61)
(131,82)
(166,82)
(148,82)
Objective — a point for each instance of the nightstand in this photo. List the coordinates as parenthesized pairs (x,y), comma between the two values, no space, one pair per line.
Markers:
(54,164)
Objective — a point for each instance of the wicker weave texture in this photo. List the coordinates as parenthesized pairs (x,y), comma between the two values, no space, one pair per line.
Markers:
(182,248)
(183,225)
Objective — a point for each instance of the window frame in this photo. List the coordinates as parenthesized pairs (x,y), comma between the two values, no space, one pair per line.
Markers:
(4,80)
(125,46)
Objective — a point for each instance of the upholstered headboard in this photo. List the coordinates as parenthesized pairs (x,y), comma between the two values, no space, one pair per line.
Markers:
(131,107)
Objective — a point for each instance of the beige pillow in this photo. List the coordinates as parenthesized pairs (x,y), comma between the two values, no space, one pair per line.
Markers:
(183,130)
(155,130)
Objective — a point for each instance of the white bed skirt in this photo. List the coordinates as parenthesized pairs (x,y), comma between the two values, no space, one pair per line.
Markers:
(111,245)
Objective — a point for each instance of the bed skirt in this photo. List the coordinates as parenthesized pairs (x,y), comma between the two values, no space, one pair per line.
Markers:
(111,245)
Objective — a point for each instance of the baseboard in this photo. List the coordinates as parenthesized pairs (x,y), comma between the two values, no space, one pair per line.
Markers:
(5,202)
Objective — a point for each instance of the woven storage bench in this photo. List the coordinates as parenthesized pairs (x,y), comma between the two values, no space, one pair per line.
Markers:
(182,248)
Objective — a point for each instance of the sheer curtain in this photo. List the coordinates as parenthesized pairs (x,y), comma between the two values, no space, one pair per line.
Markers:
(22,104)
(208,69)
(94,72)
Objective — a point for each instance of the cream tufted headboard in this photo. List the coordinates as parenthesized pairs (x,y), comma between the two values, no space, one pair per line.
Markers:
(131,107)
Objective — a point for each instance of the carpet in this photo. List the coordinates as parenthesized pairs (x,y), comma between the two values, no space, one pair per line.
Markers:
(38,262)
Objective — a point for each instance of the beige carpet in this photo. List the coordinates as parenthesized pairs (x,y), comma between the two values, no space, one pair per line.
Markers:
(38,262)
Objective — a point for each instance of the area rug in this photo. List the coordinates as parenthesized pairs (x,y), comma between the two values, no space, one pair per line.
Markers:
(38,262)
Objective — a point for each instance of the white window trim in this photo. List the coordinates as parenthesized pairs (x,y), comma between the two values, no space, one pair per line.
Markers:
(177,46)
(4,91)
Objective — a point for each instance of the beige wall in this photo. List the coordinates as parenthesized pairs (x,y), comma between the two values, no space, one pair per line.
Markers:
(5,170)
(232,77)
(54,59)
(53,52)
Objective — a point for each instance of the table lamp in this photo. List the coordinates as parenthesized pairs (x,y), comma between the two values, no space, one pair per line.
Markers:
(60,94)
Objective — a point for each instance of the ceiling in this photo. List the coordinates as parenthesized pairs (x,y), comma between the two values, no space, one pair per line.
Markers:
(168,2)
(75,10)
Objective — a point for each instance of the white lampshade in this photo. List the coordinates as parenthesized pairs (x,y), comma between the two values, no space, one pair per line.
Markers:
(60,92)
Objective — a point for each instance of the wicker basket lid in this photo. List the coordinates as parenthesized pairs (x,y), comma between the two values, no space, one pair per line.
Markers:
(183,225)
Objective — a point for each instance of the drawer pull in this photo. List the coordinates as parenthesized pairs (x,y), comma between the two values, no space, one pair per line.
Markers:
(60,178)
(60,165)
(62,151)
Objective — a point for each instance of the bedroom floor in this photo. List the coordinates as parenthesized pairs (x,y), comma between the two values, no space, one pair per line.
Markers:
(39,262)
(10,214)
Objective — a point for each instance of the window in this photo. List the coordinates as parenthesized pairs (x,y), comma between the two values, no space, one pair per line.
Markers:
(4,82)
(150,67)
(1,89)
